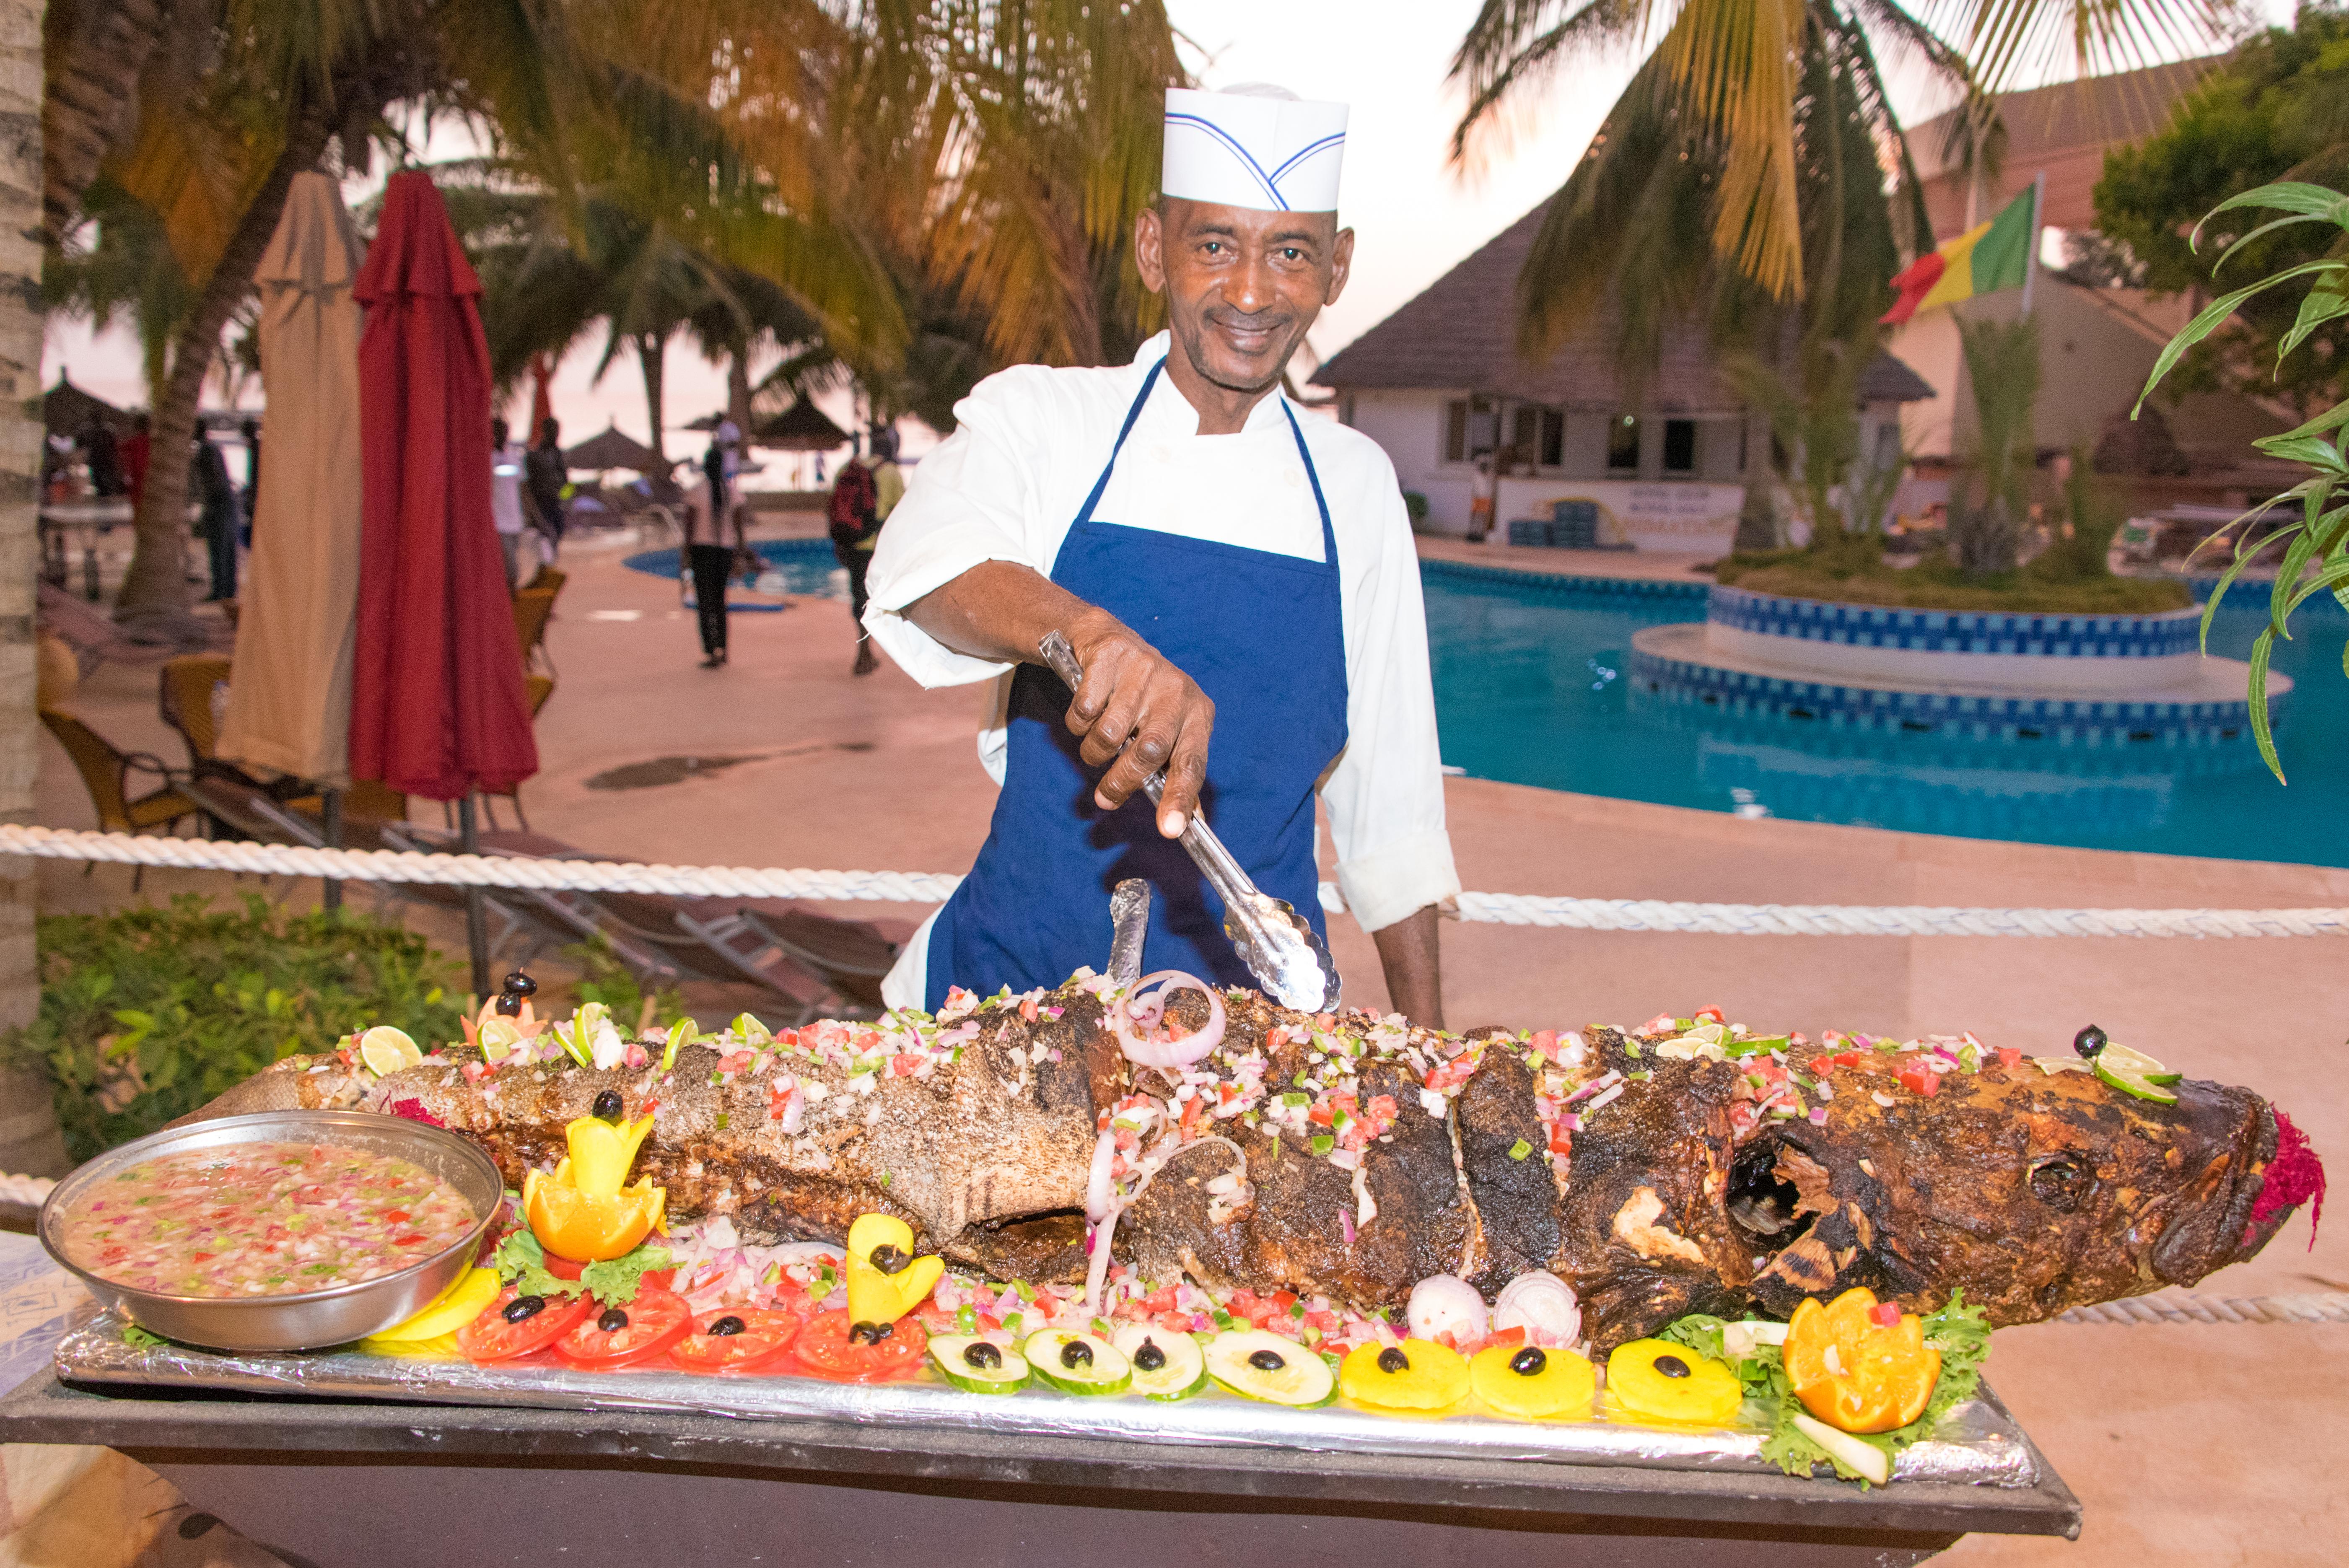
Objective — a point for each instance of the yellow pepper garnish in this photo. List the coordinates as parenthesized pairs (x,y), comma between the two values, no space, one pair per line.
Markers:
(584,1212)
(885,1281)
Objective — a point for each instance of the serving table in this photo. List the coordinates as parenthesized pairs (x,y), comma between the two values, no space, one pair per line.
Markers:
(376,1484)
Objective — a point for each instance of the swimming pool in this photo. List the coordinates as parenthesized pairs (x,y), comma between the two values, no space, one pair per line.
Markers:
(803,566)
(1532,687)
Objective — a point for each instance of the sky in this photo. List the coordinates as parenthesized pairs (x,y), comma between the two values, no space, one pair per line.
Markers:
(1414,214)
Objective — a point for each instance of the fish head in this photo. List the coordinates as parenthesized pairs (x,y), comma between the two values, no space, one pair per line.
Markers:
(2034,1193)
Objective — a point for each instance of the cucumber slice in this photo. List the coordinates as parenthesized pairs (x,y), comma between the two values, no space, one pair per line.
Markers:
(958,1365)
(1182,1373)
(2134,1073)
(1077,1363)
(1261,1365)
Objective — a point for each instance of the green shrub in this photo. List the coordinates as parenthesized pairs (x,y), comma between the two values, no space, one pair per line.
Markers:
(148,1012)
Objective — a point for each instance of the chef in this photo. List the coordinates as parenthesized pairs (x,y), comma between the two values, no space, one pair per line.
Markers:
(1235,575)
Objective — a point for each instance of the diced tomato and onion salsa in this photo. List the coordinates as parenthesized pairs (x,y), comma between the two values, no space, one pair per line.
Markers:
(263,1218)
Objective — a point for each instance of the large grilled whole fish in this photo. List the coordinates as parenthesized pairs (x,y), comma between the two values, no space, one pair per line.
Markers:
(1673,1169)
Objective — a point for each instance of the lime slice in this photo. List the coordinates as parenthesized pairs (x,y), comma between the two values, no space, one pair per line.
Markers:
(975,1366)
(2134,1072)
(498,1037)
(386,1050)
(1077,1363)
(1177,1368)
(1265,1367)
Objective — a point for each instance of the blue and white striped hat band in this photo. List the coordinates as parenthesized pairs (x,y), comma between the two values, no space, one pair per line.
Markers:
(1257,147)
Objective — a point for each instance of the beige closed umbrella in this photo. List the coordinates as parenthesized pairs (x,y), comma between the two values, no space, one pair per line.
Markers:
(289,700)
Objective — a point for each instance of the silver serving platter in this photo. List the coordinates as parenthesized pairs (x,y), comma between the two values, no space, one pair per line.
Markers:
(313,1318)
(1978,1443)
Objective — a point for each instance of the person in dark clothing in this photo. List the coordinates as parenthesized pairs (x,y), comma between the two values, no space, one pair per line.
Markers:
(713,469)
(105,460)
(251,431)
(545,475)
(132,452)
(711,561)
(217,518)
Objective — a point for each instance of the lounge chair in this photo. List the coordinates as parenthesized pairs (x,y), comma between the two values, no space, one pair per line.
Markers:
(813,964)
(105,770)
(532,608)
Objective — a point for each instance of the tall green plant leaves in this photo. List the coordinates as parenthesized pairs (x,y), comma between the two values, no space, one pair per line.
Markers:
(2316,545)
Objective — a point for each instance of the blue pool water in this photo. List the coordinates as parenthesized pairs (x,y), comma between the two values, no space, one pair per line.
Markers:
(1531,687)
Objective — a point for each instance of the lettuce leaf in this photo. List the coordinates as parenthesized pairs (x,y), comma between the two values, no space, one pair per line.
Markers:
(1960,1332)
(520,1262)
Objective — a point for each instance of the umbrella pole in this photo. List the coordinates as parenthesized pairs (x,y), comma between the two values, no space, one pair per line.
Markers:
(477,925)
(331,888)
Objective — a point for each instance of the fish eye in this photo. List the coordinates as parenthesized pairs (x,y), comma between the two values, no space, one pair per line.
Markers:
(2059,1181)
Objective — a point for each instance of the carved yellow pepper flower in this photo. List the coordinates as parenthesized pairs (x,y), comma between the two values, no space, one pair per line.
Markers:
(584,1212)
(885,1281)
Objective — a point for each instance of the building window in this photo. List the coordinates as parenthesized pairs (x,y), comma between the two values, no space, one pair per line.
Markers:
(1680,446)
(1470,428)
(1623,442)
(1553,437)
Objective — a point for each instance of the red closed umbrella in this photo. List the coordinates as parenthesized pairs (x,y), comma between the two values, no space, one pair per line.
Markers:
(438,706)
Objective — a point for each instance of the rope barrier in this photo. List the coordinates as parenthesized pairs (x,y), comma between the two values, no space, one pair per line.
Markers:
(932,887)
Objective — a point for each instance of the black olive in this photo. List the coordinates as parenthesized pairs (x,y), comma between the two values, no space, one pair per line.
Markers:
(517,986)
(1149,1358)
(870,1333)
(524,1306)
(613,1321)
(1076,1353)
(2088,1041)
(1266,1361)
(1393,1360)
(1528,1362)
(1672,1366)
(726,1326)
(978,1353)
(889,1259)
(608,1106)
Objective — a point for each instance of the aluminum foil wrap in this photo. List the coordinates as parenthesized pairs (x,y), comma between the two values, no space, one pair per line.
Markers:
(1977,1444)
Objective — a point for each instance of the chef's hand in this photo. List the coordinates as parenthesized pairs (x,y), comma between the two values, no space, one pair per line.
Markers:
(1136,707)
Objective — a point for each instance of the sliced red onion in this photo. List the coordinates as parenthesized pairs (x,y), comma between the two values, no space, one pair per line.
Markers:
(1540,1304)
(1150,1049)
(1100,1192)
(1446,1303)
(1104,1230)
(1346,1225)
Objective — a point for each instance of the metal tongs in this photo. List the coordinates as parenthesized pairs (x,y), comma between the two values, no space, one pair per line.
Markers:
(1280,949)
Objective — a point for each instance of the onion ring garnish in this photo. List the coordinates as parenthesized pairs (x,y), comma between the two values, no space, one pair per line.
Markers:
(1100,1192)
(1135,1022)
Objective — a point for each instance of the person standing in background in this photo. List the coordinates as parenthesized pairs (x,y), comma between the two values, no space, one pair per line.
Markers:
(506,457)
(135,451)
(547,476)
(105,460)
(217,517)
(718,472)
(251,431)
(710,559)
(853,520)
(888,490)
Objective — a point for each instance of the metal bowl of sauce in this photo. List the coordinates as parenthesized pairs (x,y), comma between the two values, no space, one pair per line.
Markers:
(302,1320)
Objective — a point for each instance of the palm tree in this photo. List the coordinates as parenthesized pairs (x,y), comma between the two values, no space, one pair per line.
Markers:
(24,1102)
(1743,174)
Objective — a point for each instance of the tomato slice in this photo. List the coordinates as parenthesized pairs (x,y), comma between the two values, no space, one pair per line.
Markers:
(764,1336)
(825,1349)
(489,1338)
(649,1324)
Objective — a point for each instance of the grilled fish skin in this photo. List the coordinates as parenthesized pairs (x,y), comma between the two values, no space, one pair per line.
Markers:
(2033,1191)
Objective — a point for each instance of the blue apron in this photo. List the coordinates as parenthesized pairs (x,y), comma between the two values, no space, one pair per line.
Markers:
(1264,636)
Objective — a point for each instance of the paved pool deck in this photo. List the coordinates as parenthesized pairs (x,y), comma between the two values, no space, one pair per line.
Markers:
(2189,1445)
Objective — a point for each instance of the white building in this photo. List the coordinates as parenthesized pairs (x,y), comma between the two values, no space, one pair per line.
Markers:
(1440,384)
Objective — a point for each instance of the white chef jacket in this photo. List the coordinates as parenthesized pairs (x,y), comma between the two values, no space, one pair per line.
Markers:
(1007,484)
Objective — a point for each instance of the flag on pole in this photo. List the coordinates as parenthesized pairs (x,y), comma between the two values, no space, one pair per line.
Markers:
(1989,256)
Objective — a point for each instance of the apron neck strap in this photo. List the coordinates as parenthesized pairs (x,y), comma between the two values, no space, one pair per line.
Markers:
(1085,513)
(1313,477)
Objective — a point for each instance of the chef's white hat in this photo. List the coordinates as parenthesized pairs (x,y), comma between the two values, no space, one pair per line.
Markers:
(1257,146)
